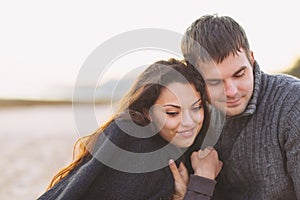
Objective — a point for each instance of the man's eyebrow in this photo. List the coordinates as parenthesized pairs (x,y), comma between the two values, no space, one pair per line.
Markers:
(238,71)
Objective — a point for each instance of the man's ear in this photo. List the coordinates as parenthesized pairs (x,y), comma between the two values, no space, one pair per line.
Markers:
(252,58)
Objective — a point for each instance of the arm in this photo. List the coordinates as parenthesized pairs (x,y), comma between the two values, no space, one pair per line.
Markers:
(291,131)
(200,188)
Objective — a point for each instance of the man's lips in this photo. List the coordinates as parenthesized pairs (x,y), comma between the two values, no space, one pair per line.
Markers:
(233,102)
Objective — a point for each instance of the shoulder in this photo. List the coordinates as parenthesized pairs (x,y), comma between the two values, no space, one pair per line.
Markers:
(131,137)
(283,99)
(280,89)
(282,81)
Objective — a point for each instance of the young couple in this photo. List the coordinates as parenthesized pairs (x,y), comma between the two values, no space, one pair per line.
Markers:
(165,116)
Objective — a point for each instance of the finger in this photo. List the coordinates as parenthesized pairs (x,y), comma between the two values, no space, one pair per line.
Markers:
(183,172)
(174,171)
(209,148)
(182,169)
(220,164)
(204,153)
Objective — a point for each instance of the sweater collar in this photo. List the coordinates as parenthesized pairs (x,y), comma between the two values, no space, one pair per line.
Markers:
(251,107)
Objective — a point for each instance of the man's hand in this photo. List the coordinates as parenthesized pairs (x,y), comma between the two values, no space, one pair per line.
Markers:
(206,163)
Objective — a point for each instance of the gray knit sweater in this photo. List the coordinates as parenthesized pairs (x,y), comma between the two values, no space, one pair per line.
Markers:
(260,148)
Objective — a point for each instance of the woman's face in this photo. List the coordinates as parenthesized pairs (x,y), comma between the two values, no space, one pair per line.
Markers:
(178,113)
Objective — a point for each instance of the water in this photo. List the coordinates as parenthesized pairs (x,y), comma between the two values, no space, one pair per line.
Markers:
(36,141)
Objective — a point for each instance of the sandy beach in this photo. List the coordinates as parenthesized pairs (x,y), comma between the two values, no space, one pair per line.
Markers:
(36,141)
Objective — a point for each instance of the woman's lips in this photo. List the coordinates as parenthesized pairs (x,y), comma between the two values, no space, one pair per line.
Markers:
(187,133)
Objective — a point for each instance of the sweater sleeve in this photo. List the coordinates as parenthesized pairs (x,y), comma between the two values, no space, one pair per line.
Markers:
(200,188)
(291,130)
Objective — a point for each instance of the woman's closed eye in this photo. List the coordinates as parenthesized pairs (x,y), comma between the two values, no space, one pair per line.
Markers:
(172,113)
(197,108)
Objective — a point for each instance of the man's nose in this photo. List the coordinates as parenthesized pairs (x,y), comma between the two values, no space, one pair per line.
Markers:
(230,88)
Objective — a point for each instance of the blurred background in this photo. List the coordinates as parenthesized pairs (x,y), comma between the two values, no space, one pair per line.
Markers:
(44,44)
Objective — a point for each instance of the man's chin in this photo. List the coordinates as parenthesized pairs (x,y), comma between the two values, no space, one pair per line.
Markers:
(229,111)
(234,111)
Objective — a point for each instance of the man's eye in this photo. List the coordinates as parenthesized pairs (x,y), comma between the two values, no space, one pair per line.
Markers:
(213,82)
(240,74)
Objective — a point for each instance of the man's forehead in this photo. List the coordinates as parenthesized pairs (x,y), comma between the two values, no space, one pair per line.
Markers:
(208,70)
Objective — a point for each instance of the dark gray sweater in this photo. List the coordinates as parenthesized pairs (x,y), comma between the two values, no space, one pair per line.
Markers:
(260,148)
(113,174)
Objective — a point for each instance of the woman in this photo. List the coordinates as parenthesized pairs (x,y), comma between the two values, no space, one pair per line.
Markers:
(126,158)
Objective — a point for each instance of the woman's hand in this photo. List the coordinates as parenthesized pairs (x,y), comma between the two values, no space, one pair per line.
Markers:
(181,179)
(206,163)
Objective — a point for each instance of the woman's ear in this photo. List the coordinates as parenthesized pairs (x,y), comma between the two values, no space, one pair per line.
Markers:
(146,113)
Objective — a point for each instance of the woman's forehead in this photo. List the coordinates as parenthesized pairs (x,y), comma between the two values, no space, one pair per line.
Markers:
(180,93)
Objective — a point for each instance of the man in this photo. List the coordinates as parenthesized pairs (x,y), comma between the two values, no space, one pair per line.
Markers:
(259,143)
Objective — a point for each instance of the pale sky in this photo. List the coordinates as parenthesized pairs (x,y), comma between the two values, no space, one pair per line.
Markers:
(43,44)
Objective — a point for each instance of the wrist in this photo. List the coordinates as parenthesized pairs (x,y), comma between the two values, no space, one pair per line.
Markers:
(205,174)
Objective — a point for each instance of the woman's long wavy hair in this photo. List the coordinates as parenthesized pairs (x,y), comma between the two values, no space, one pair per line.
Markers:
(142,95)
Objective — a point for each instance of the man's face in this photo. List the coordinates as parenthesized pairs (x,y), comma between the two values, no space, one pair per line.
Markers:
(230,83)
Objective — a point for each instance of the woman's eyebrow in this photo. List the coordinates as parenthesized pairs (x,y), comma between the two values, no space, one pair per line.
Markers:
(199,100)
(173,105)
(177,106)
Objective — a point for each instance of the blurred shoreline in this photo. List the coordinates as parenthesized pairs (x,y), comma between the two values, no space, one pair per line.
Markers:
(36,140)
(9,103)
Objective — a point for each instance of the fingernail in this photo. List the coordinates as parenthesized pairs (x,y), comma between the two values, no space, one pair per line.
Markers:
(171,161)
(209,148)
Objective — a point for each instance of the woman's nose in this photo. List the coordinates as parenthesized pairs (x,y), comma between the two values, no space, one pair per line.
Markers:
(187,119)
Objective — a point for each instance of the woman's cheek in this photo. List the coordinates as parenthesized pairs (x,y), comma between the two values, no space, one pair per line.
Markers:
(172,123)
(199,118)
